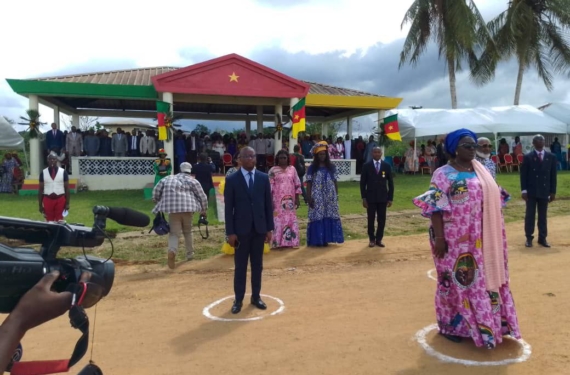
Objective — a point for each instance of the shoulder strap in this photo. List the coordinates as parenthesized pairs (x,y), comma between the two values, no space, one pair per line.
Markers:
(79,320)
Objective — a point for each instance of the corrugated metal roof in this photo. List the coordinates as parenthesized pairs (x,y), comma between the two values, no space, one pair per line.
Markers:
(136,77)
(142,77)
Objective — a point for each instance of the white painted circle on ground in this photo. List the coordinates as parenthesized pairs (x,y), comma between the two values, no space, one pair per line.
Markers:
(421,337)
(431,274)
(206,312)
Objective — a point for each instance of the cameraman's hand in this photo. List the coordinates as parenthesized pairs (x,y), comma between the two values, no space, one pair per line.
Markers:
(205,214)
(42,210)
(36,307)
(67,206)
(40,304)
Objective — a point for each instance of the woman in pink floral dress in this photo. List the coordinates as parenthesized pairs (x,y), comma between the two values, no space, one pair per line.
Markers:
(285,189)
(473,298)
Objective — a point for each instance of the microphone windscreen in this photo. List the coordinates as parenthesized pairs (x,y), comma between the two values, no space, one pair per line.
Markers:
(127,216)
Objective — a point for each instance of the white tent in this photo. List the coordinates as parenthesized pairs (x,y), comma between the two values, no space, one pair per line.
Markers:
(523,119)
(515,120)
(10,139)
(560,111)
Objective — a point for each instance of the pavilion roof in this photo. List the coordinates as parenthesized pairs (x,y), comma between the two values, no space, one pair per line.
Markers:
(142,77)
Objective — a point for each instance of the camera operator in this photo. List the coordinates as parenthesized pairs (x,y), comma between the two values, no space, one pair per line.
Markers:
(37,306)
(53,193)
(180,196)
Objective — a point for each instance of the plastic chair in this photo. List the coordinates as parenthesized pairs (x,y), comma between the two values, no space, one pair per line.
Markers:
(495,159)
(508,162)
(270,161)
(227,160)
(424,165)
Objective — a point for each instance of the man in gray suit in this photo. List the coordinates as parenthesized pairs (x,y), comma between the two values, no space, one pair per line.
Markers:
(74,142)
(119,144)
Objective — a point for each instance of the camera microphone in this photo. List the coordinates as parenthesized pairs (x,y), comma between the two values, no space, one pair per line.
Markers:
(123,216)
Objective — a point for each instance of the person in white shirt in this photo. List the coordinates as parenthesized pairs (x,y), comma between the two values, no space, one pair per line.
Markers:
(53,192)
(270,145)
(347,147)
(260,147)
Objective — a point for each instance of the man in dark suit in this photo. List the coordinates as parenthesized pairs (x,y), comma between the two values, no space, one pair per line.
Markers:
(55,139)
(538,186)
(134,141)
(249,223)
(377,192)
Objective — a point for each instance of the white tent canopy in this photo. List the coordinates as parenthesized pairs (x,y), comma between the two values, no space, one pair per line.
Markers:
(560,111)
(9,138)
(516,120)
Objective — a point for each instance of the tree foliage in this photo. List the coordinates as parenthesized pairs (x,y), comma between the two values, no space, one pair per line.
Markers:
(200,128)
(315,128)
(535,32)
(456,26)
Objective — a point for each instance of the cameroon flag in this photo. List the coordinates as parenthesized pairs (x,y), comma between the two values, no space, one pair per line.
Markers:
(391,128)
(162,109)
(298,118)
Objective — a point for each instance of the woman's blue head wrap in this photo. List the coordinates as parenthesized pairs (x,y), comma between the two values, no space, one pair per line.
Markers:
(452,139)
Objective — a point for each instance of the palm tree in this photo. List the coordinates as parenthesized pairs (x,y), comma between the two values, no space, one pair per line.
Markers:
(455,25)
(536,33)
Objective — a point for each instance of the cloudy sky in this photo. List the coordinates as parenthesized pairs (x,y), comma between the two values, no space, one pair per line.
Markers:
(348,43)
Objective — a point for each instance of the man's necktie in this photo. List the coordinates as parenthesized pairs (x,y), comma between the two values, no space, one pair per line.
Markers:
(540,156)
(250,183)
(377,167)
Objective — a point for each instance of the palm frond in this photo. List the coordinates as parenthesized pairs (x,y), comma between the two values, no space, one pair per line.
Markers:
(420,32)
(560,11)
(559,47)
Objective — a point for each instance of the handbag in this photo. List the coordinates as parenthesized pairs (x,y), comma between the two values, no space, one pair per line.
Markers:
(160,225)
(227,249)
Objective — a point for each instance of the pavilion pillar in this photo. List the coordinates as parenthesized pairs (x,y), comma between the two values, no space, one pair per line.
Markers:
(324,129)
(278,140)
(349,126)
(292,141)
(260,119)
(247,127)
(381,114)
(36,157)
(56,116)
(75,121)
(169,145)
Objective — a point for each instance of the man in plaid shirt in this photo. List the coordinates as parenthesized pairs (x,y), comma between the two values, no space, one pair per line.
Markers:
(180,196)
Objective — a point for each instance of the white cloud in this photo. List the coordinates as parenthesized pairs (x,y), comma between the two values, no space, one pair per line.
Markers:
(66,34)
(54,36)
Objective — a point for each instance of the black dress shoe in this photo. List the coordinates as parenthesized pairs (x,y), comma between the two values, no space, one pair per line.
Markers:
(528,243)
(543,243)
(379,243)
(236,308)
(257,302)
(455,339)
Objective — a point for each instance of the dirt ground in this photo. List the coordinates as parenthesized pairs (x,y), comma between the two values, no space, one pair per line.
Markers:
(348,310)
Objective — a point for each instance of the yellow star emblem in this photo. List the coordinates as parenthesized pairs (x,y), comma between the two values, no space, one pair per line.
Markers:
(391,127)
(296,117)
(233,77)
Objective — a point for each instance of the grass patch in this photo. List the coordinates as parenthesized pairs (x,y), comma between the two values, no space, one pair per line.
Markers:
(135,246)
(81,207)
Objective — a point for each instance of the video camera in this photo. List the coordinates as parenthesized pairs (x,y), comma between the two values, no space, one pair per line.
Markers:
(21,268)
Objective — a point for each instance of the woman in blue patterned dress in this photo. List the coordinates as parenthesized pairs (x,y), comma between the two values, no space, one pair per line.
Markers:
(7,173)
(322,194)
